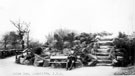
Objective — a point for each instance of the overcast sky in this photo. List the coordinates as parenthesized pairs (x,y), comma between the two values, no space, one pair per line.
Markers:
(46,16)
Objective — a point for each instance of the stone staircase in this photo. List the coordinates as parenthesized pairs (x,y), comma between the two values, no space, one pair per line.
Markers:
(102,52)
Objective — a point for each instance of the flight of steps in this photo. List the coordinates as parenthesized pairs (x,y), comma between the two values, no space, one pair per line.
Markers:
(103,52)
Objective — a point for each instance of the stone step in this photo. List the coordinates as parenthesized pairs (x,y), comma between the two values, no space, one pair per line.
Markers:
(104,61)
(105,42)
(105,47)
(104,64)
(103,57)
(106,39)
(109,43)
(102,54)
(103,50)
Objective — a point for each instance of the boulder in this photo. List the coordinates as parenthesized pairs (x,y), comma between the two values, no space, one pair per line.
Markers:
(46,63)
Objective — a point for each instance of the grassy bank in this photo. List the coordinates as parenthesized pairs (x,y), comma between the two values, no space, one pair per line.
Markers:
(126,71)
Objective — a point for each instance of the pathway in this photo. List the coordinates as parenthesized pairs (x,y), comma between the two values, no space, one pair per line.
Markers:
(8,67)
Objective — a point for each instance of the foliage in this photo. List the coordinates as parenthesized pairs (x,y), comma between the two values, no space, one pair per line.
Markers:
(57,39)
(34,44)
(5,40)
(10,40)
(124,43)
(49,38)
(13,37)
(122,35)
(67,39)
(62,33)
(104,33)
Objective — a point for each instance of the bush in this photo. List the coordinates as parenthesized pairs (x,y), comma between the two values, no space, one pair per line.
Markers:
(62,39)
(126,46)
(57,39)
(34,44)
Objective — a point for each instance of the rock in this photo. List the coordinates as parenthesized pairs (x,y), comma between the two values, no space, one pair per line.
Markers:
(22,60)
(66,51)
(46,63)
(37,61)
(26,62)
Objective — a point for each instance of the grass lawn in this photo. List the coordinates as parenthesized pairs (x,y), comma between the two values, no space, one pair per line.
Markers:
(130,70)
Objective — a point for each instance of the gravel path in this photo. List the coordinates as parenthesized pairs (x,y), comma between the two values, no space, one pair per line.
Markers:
(8,67)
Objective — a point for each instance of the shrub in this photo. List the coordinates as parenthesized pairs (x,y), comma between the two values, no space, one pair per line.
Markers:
(67,39)
(57,39)
(126,46)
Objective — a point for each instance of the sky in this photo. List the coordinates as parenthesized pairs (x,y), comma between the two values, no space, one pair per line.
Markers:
(46,16)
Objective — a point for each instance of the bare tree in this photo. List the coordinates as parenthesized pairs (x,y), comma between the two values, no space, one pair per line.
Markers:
(22,29)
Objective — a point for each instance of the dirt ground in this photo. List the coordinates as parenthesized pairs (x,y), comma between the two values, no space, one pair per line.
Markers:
(8,67)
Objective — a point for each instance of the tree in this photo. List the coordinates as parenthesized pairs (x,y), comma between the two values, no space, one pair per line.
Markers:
(22,28)
(62,35)
(59,42)
(10,39)
(49,39)
(5,40)
(13,39)
(56,40)
(70,38)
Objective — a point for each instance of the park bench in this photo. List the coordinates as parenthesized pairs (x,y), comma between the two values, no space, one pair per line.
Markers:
(55,61)
(62,61)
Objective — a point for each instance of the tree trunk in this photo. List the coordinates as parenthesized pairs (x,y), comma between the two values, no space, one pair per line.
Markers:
(5,46)
(22,44)
(28,40)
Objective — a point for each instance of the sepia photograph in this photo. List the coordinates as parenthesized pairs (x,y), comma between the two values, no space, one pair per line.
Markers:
(67,37)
